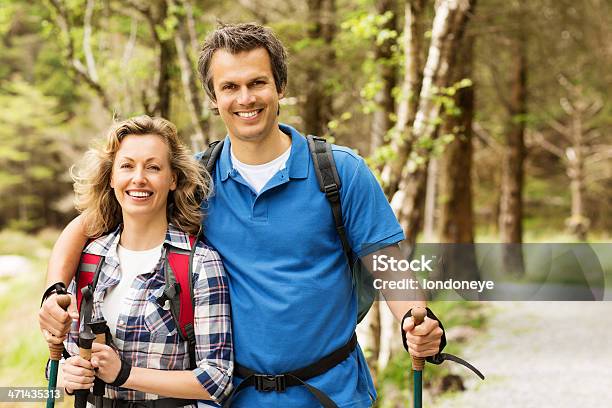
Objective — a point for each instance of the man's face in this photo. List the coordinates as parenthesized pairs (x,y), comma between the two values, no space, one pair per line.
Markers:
(247,98)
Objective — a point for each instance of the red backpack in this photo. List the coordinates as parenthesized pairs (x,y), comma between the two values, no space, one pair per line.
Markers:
(178,289)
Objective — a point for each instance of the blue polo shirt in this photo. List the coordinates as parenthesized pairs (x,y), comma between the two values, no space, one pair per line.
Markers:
(292,300)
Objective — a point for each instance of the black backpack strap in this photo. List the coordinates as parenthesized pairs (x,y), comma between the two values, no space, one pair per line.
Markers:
(280,382)
(210,155)
(329,183)
(87,292)
(189,327)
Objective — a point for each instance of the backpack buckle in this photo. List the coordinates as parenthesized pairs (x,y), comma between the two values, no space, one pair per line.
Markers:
(268,383)
(318,138)
(332,193)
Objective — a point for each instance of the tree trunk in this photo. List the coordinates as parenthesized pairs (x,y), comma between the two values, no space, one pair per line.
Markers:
(578,223)
(190,19)
(511,201)
(581,109)
(390,342)
(166,51)
(317,111)
(191,89)
(381,120)
(381,124)
(456,208)
(431,199)
(64,21)
(456,225)
(514,156)
(448,27)
(374,335)
(156,14)
(411,87)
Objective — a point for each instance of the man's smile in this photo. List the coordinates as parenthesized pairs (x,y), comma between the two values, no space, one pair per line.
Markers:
(249,114)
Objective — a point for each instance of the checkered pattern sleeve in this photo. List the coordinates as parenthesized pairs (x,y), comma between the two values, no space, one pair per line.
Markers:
(212,324)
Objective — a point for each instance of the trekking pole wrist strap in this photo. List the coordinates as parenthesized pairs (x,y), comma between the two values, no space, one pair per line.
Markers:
(432,316)
(124,374)
(58,287)
(440,357)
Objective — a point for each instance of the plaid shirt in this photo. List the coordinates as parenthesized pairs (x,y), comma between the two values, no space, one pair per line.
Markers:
(146,333)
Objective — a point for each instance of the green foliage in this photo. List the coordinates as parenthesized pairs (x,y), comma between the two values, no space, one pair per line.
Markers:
(366,26)
(29,152)
(7,11)
(33,52)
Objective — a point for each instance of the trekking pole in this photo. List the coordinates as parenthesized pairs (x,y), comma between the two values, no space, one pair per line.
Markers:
(86,339)
(418,363)
(98,327)
(55,355)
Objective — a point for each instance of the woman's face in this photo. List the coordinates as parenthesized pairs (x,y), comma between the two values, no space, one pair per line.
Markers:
(142,176)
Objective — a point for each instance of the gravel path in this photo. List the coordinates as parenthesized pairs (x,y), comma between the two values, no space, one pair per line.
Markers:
(540,354)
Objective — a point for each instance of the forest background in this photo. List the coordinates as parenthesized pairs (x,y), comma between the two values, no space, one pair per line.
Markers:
(485,121)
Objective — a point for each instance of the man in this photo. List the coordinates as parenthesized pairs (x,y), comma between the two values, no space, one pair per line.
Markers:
(292,298)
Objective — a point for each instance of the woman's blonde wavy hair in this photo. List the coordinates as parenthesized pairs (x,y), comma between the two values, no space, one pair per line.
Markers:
(95,198)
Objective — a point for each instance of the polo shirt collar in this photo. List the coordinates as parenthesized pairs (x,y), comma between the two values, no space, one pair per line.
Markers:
(298,162)
(225,160)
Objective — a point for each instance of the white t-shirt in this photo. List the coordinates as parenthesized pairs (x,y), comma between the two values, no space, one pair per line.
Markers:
(259,174)
(131,264)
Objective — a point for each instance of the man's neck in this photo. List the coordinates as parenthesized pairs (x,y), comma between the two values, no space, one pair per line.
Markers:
(261,151)
(142,234)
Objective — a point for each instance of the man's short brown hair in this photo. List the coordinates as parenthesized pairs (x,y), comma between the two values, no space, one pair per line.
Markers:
(236,38)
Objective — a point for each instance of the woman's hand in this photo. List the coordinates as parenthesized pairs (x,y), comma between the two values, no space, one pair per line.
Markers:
(78,374)
(54,322)
(106,361)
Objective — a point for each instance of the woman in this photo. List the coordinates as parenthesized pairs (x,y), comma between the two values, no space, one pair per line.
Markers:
(144,186)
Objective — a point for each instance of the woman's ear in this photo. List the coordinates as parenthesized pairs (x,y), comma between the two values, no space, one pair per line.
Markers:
(173,183)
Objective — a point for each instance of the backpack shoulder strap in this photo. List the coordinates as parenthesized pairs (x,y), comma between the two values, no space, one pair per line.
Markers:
(329,183)
(179,291)
(87,273)
(86,279)
(210,155)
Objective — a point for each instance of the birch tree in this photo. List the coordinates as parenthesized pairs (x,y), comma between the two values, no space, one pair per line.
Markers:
(414,31)
(450,19)
(183,41)
(414,116)
(85,71)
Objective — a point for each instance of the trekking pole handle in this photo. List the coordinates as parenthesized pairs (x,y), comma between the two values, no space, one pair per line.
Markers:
(55,350)
(418,314)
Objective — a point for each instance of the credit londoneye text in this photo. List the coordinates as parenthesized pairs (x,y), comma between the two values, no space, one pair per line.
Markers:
(423,264)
